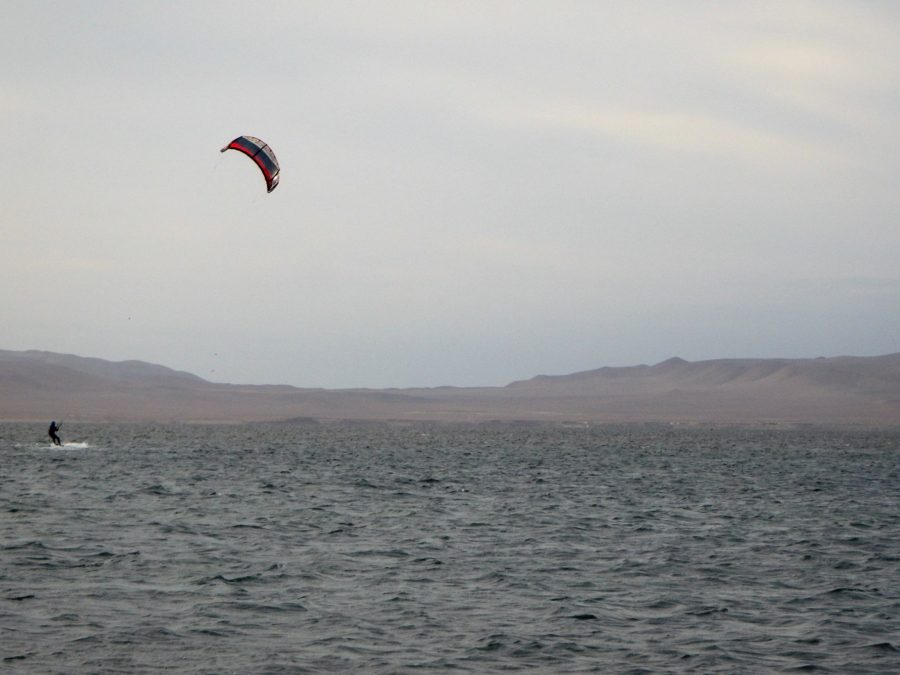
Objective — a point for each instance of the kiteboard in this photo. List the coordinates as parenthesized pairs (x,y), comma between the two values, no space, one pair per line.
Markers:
(71,445)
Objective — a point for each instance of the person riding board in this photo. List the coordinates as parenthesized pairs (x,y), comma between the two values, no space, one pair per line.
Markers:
(54,427)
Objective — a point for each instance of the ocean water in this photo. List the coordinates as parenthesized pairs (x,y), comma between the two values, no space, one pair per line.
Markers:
(402,549)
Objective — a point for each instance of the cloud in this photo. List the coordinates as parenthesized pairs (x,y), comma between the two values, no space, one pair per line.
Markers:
(677,131)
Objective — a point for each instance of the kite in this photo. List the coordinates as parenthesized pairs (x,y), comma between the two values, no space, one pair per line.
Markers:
(262,154)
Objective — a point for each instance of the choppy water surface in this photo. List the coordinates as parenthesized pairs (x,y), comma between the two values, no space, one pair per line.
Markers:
(266,548)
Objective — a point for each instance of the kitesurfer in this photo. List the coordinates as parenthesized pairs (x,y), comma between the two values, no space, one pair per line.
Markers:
(54,427)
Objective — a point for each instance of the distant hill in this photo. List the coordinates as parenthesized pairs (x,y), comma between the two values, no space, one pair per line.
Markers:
(36,385)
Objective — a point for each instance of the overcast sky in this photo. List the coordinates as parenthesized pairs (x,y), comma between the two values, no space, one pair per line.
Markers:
(471,192)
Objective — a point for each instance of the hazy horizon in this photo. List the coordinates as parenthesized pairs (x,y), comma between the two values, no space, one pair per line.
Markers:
(471,193)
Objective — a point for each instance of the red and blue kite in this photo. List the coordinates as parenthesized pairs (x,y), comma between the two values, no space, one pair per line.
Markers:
(260,153)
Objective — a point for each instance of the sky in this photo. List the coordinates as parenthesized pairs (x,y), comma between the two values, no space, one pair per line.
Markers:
(471,192)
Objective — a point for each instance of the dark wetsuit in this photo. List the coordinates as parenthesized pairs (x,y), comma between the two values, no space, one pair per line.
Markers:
(52,431)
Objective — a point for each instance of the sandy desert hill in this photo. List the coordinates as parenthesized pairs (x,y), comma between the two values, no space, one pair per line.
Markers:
(37,385)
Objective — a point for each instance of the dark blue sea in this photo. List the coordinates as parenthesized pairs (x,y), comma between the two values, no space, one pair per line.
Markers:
(483,549)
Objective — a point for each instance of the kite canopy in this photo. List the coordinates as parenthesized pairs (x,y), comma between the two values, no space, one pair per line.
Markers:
(262,154)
